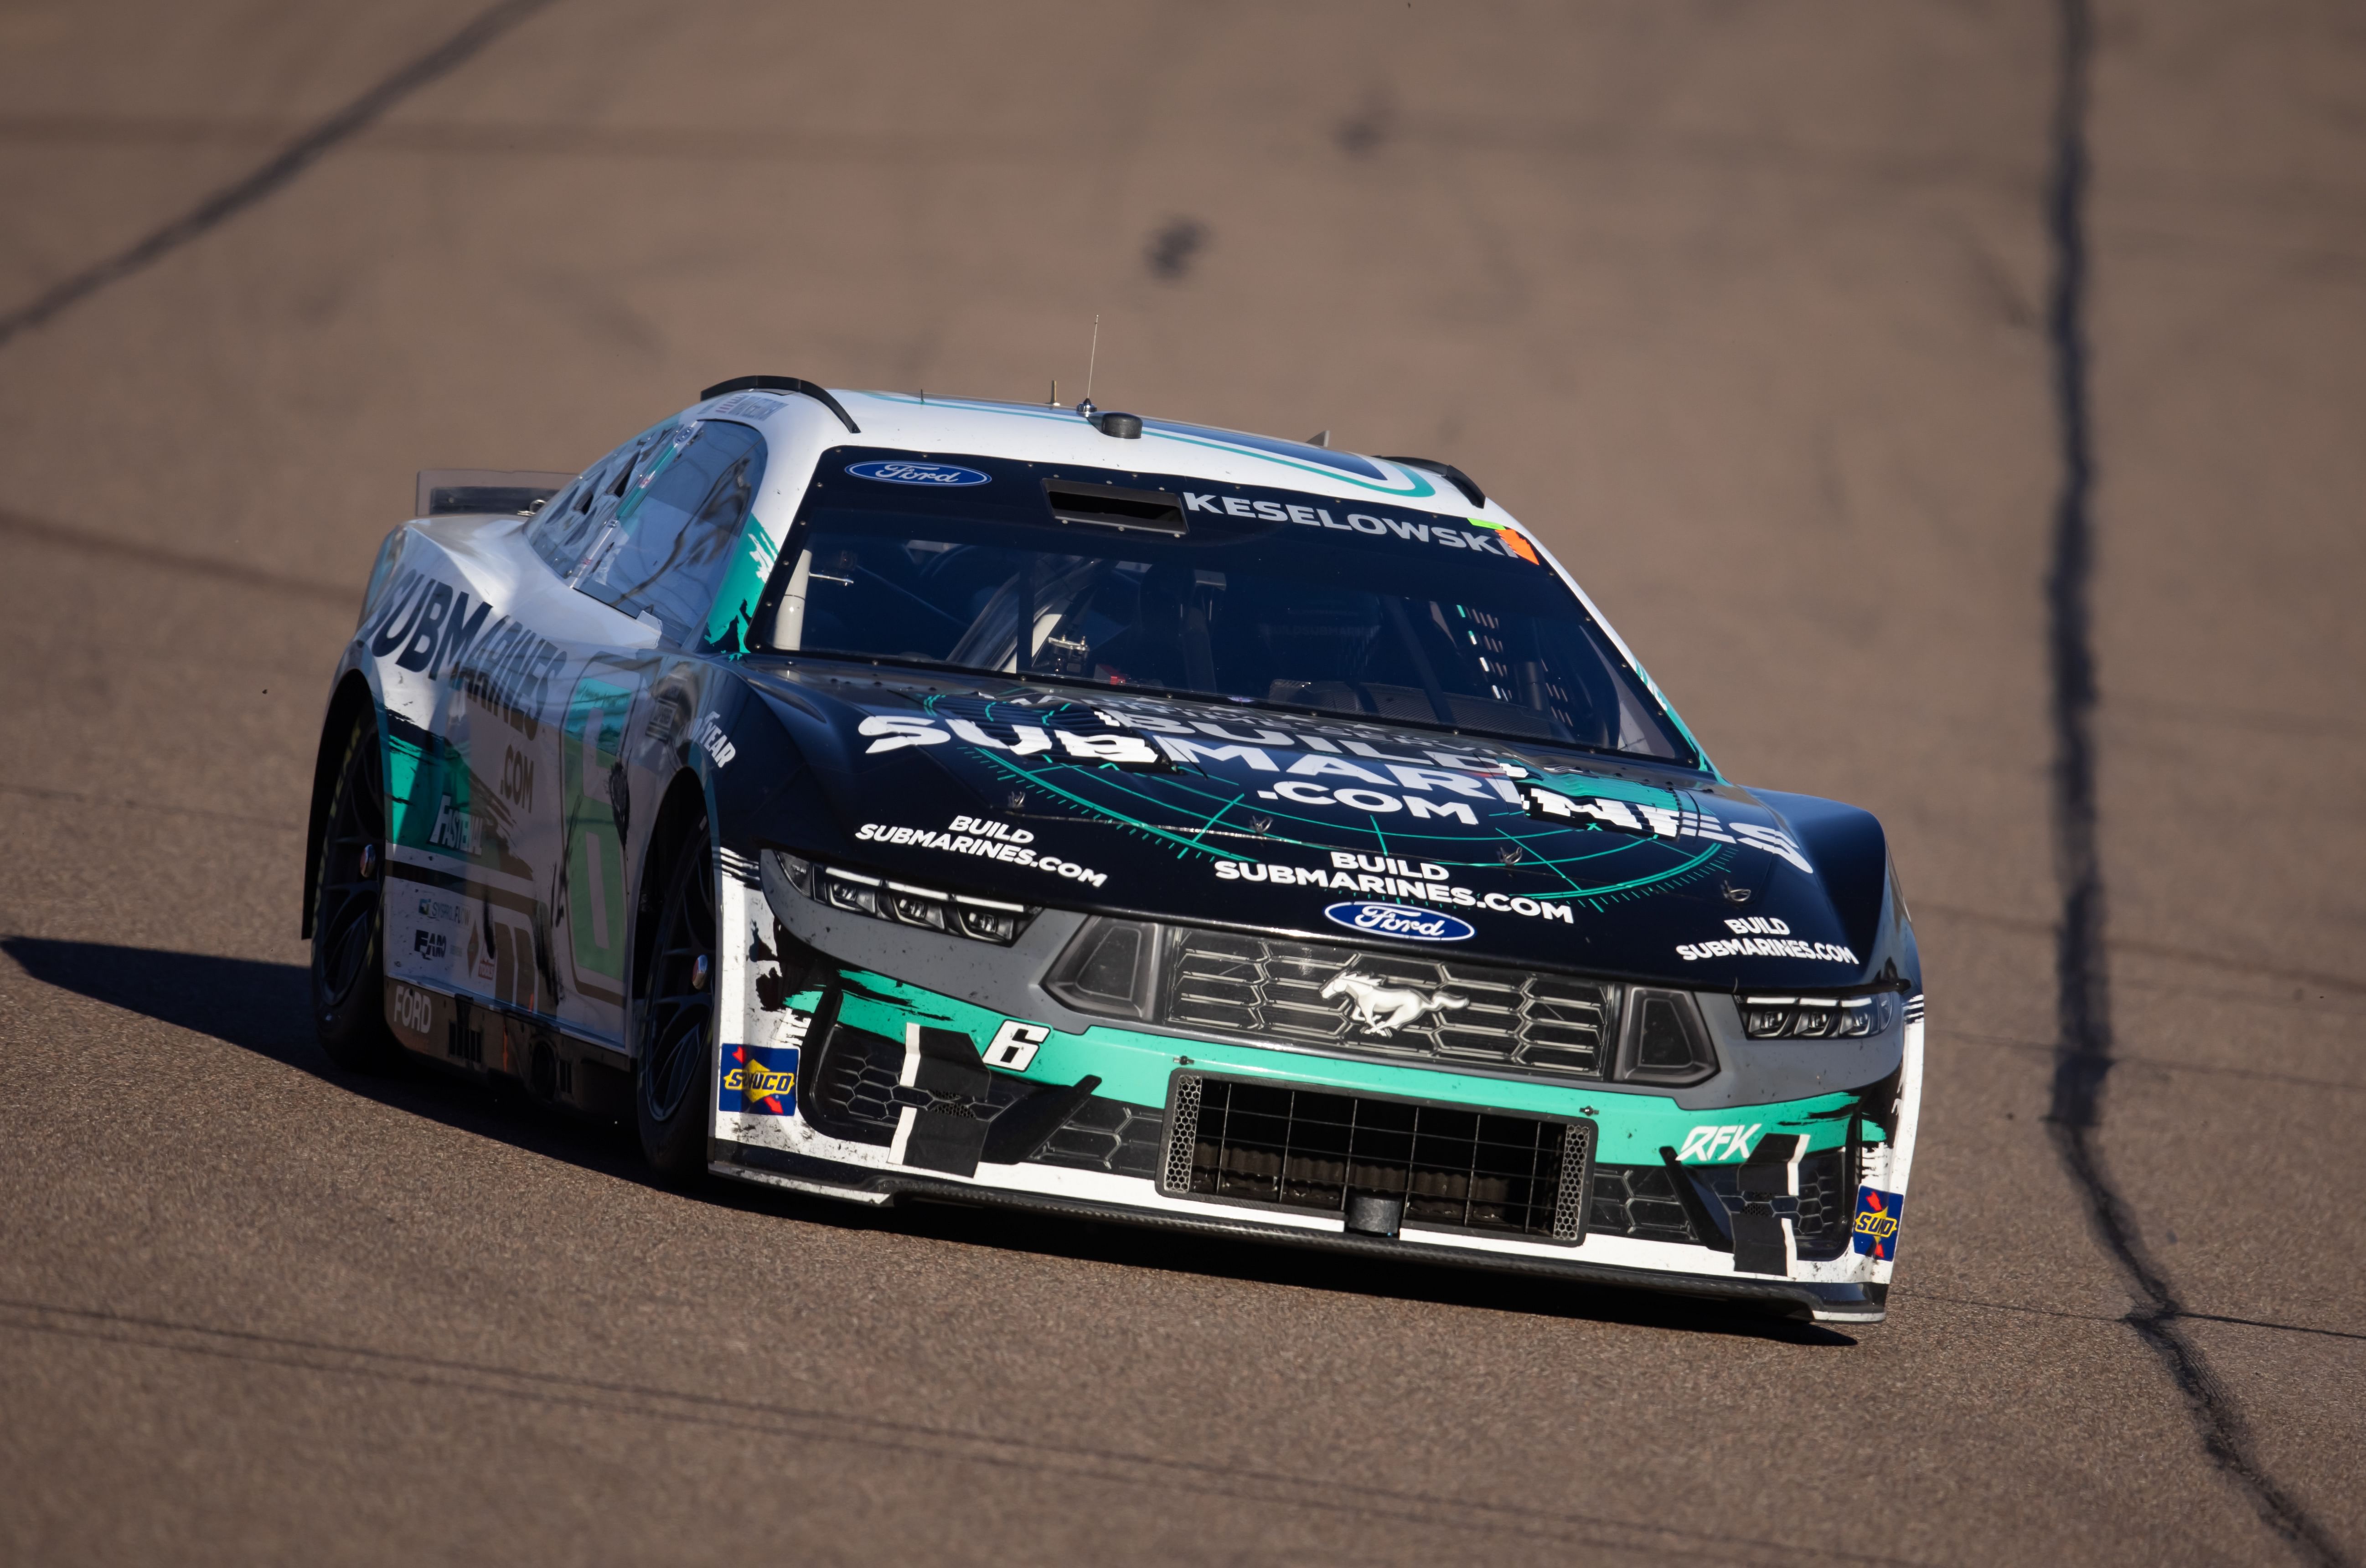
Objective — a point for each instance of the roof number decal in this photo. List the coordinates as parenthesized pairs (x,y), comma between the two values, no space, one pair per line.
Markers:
(898,472)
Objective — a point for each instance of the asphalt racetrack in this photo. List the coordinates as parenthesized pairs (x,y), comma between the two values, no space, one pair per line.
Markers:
(1957,405)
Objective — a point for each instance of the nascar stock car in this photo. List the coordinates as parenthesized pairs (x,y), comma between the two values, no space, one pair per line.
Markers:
(885,798)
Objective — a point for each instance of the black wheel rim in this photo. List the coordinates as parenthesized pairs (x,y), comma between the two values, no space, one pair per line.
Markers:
(345,920)
(675,1024)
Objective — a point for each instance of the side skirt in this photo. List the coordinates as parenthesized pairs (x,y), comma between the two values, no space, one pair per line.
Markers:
(486,1042)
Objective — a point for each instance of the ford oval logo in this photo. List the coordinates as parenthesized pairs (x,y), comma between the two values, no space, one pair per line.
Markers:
(896,471)
(1401,920)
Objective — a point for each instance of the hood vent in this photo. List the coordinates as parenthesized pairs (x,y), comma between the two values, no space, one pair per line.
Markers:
(1112,506)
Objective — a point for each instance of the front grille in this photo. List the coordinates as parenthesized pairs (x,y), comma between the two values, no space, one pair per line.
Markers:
(851,1093)
(1306,1149)
(1827,1206)
(1639,1201)
(1399,1006)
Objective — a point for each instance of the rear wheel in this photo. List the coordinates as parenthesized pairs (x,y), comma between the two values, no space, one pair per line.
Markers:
(676,1048)
(348,912)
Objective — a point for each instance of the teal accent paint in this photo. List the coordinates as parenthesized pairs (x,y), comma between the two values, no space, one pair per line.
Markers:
(743,585)
(1134,1067)
(1610,789)
(1651,881)
(403,761)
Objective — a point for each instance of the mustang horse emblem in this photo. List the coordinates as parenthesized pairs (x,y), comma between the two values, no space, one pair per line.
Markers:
(1383,1007)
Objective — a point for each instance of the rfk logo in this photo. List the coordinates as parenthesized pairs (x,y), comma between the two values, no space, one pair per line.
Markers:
(1382,1008)
(1730,1141)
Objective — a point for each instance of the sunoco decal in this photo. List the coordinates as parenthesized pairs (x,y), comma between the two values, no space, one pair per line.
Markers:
(1876,1224)
(897,472)
(1399,920)
(761,1080)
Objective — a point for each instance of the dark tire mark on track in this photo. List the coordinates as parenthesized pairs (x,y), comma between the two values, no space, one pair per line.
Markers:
(283,167)
(2082,1060)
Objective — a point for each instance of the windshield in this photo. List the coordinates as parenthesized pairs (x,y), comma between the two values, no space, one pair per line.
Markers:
(1234,591)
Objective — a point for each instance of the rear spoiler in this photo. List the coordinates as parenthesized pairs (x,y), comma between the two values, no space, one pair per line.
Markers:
(515,492)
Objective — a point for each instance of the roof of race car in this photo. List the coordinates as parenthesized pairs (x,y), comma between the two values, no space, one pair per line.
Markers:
(1040,432)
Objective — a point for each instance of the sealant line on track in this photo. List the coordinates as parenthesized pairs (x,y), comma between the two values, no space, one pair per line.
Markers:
(2028,1311)
(158,556)
(2139,948)
(282,168)
(2082,1060)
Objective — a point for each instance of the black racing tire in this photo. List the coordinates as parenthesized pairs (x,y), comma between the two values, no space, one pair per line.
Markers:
(349,912)
(673,1059)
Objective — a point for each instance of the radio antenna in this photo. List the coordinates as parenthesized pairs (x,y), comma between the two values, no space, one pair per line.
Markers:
(1093,359)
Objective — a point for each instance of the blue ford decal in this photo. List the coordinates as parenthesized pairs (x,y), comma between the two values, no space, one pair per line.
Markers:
(896,471)
(1401,920)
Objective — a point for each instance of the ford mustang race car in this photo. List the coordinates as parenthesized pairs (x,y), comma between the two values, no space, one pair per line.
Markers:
(886,798)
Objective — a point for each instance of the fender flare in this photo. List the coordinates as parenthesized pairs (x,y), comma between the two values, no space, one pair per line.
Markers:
(353,695)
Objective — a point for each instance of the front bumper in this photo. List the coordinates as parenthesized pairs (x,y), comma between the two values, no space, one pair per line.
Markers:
(865,1086)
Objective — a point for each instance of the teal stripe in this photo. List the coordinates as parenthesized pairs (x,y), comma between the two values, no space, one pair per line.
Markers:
(1134,1067)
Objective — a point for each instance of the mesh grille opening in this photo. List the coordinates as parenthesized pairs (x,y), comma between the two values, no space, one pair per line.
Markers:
(1286,1147)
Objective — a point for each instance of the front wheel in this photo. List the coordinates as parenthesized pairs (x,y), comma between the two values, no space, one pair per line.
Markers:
(348,913)
(676,1047)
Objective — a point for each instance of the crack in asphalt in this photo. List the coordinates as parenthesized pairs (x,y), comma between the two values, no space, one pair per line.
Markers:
(1031,1457)
(2082,1061)
(274,173)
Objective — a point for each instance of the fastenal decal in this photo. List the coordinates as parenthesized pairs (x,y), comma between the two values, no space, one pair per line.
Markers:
(903,473)
(1399,921)
(977,835)
(1877,1223)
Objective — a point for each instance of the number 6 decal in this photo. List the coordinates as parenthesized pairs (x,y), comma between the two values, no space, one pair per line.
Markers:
(1015,1045)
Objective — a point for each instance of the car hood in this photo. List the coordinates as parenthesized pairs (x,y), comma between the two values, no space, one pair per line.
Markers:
(1331,829)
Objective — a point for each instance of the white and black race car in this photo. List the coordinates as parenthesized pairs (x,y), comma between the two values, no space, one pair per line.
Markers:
(886,798)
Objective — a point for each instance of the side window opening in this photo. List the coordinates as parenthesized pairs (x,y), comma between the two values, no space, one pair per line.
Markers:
(563,532)
(668,541)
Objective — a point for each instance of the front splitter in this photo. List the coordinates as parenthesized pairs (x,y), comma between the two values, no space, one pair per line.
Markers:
(1800,1300)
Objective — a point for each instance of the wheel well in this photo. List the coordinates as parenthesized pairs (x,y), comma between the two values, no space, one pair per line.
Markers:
(685,804)
(352,698)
